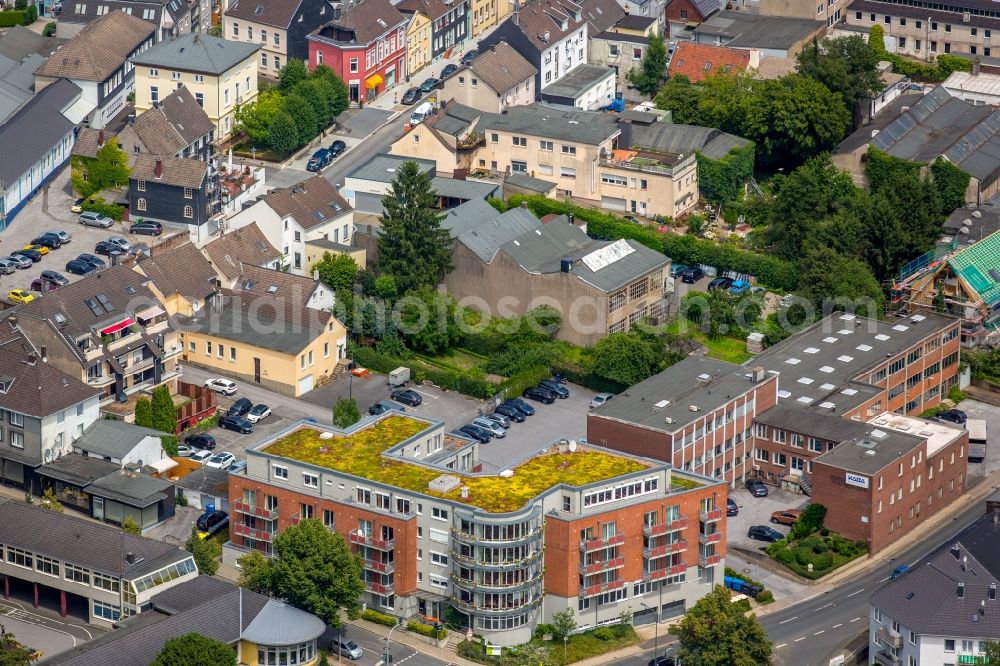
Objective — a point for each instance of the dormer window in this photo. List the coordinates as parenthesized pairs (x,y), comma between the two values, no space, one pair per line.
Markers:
(6,381)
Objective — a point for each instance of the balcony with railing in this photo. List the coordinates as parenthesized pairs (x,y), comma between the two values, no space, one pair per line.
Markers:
(495,611)
(659,529)
(714,537)
(489,587)
(665,549)
(604,565)
(889,637)
(887,658)
(470,538)
(362,539)
(712,516)
(600,588)
(709,560)
(379,588)
(596,544)
(378,566)
(239,506)
(251,533)
(648,162)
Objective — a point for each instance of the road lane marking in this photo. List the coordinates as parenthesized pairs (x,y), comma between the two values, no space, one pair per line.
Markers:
(838,625)
(884,579)
(802,638)
(780,646)
(827,606)
(855,619)
(789,619)
(821,631)
(856,592)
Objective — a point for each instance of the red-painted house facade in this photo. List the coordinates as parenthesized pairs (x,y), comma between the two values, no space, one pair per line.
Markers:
(365,44)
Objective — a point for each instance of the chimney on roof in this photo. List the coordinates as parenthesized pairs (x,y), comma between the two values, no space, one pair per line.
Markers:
(45,357)
(100,138)
(130,557)
(158,171)
(31,358)
(956,551)
(961,590)
(315,275)
(757,374)
(993,592)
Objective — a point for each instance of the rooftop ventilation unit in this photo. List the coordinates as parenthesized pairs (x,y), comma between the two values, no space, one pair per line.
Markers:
(444,483)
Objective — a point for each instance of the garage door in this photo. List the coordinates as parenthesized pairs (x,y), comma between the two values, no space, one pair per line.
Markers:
(305,384)
(365,202)
(644,617)
(613,203)
(673,609)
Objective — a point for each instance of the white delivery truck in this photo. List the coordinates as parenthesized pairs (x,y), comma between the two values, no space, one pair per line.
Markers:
(420,113)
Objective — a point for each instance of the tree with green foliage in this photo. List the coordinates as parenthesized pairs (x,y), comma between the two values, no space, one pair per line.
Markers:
(426,320)
(253,572)
(625,358)
(650,75)
(341,101)
(206,552)
(109,169)
(283,133)
(716,632)
(169,444)
(991,653)
(129,526)
(255,118)
(876,41)
(12,652)
(563,623)
(293,73)
(337,271)
(413,247)
(50,501)
(312,569)
(143,412)
(679,96)
(306,114)
(345,412)
(195,650)
(833,282)
(385,288)
(164,414)
(719,313)
(845,65)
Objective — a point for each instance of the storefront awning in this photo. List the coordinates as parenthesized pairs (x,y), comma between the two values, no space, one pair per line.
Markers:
(374,81)
(149,313)
(114,328)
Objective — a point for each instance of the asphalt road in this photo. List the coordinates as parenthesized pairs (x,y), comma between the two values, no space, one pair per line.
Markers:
(377,142)
(372,645)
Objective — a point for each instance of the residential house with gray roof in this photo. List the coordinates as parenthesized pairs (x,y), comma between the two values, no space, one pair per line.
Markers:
(498,78)
(123,443)
(171,17)
(179,274)
(93,572)
(242,245)
(175,127)
(279,26)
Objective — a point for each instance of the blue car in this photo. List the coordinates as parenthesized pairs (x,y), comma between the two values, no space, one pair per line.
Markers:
(738,287)
(320,159)
(898,571)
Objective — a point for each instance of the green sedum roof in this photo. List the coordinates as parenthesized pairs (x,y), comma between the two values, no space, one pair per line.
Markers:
(974,264)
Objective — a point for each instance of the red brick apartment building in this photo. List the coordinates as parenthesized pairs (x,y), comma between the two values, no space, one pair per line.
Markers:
(576,526)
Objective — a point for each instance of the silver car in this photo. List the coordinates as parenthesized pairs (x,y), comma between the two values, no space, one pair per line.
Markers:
(600,399)
(121,242)
(499,419)
(490,426)
(7,266)
(91,219)
(64,237)
(19,261)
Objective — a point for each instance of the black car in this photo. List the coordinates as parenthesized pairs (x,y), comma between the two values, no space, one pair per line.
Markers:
(723,283)
(236,423)
(757,488)
(731,508)
(511,412)
(662,660)
(561,391)
(108,249)
(383,406)
(692,274)
(429,84)
(50,241)
(337,147)
(411,96)
(764,533)
(93,260)
(79,267)
(469,56)
(240,407)
(520,405)
(54,278)
(407,397)
(212,521)
(201,440)
(145,229)
(448,71)
(475,432)
(34,255)
(953,416)
(540,394)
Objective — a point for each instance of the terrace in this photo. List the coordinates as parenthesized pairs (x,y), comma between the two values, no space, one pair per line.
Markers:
(361,453)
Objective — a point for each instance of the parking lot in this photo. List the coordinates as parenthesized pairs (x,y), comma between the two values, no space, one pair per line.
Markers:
(44,630)
(757,511)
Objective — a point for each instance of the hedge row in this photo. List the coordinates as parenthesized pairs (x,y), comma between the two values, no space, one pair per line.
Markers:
(448,379)
(378,618)
(10,18)
(109,210)
(426,630)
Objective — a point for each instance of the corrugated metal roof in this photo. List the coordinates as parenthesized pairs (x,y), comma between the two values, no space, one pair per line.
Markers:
(280,624)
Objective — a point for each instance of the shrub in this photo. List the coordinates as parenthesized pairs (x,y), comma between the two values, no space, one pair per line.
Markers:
(820,547)
(379,618)
(98,206)
(543,629)
(822,562)
(426,630)
(803,555)
(824,532)
(810,521)
(785,556)
(604,634)
(49,30)
(765,597)
(9,19)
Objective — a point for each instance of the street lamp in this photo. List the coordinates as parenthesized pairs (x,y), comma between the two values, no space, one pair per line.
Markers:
(656,628)
(890,561)
(386,657)
(565,642)
(672,653)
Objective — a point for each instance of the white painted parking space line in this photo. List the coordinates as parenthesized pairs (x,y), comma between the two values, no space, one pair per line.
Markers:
(780,646)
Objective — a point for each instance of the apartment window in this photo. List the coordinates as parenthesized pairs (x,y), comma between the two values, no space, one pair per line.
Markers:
(919,24)
(439,559)
(949,645)
(568,150)
(519,141)
(545,145)
(902,21)
(280,472)
(779,436)
(326,350)
(354,65)
(141,185)
(154,94)
(310,480)
(567,172)
(888,19)
(263,59)
(857,16)
(439,514)
(75,573)
(187,193)
(947,27)
(200,98)
(302,361)
(277,39)
(902,42)
(220,351)
(232,353)
(188,212)
(140,204)
(46,565)
(934,25)
(236,30)
(517,166)
(154,72)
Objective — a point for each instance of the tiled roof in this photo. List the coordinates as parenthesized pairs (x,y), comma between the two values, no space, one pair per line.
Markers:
(433,9)
(601,15)
(176,123)
(180,270)
(502,68)
(773,67)
(30,386)
(696,61)
(311,203)
(247,244)
(176,171)
(256,280)
(368,20)
(277,13)
(541,21)
(99,48)
(88,142)
(979,267)
(196,52)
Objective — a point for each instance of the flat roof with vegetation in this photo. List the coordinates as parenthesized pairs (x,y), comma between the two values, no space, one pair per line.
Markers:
(359,453)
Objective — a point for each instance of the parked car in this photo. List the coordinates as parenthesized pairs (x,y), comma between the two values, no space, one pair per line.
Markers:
(258,413)
(92,219)
(448,70)
(40,249)
(429,84)
(345,647)
(185,451)
(77,206)
(201,440)
(738,287)
(202,457)
(677,269)
(121,242)
(221,460)
(48,240)
(898,571)
(219,385)
(7,266)
(93,260)
(236,424)
(108,249)
(499,419)
(490,426)
(520,405)
(561,391)
(764,533)
(731,508)
(662,660)
(511,412)
(319,160)
(20,262)
(469,56)
(337,148)
(722,283)
(29,253)
(54,278)
(475,432)
(240,407)
(407,397)
(237,466)
(145,229)
(540,394)
(383,406)
(600,399)
(42,286)
(786,517)
(692,274)
(411,96)
(64,236)
(953,416)
(20,296)
(756,487)
(211,522)
(79,267)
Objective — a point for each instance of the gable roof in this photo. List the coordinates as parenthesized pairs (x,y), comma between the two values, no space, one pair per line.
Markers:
(88,142)
(180,270)
(502,67)
(277,13)
(258,281)
(99,49)
(176,171)
(19,42)
(113,438)
(542,21)
(174,124)
(553,123)
(196,52)
(601,15)
(31,386)
(311,203)
(696,61)
(244,245)
(35,127)
(483,230)
(978,266)
(17,82)
(433,9)
(366,21)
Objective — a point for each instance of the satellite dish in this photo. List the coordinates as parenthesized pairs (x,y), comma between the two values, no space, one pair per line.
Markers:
(572,446)
(48,455)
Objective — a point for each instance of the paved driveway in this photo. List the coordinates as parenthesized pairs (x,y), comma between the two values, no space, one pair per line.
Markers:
(43,630)
(757,511)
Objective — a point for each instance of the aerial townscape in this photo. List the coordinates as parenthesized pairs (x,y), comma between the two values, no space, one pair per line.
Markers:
(502,332)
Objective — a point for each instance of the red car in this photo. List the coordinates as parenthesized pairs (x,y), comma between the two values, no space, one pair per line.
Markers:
(786,517)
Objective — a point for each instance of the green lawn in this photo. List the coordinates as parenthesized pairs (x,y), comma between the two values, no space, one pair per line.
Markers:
(825,553)
(577,648)
(729,349)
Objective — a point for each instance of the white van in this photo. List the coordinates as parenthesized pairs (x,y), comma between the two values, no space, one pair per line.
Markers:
(420,113)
